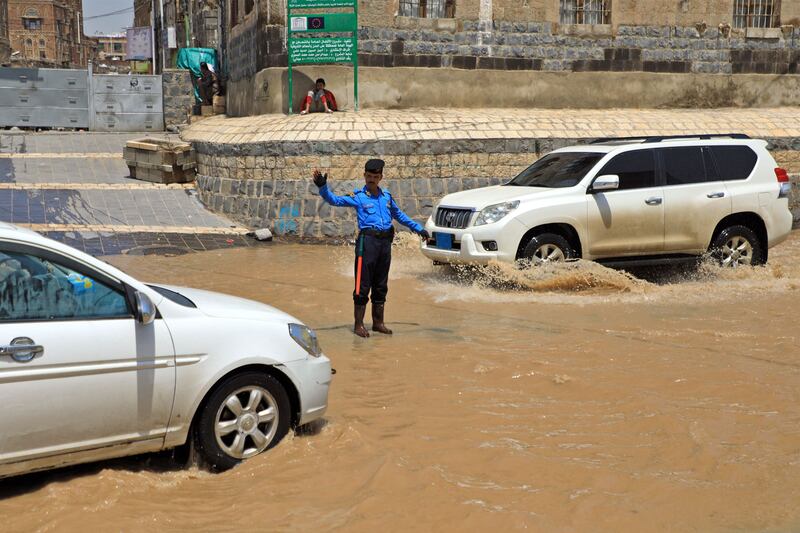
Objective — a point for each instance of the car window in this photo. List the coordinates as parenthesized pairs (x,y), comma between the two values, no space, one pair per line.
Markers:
(734,162)
(35,288)
(684,165)
(561,169)
(636,169)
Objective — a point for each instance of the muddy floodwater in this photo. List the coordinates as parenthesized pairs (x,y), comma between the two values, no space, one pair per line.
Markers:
(572,399)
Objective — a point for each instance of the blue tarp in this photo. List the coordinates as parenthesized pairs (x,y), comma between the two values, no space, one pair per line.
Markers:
(190,59)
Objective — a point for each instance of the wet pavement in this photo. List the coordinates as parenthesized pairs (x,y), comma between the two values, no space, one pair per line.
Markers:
(567,398)
(75,187)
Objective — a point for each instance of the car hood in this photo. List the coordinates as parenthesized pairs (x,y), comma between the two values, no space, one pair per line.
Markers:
(496,194)
(221,305)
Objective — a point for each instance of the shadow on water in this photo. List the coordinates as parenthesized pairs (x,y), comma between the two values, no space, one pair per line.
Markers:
(168,461)
(156,463)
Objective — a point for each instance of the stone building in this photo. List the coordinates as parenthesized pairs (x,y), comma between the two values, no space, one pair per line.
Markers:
(5,45)
(48,33)
(543,53)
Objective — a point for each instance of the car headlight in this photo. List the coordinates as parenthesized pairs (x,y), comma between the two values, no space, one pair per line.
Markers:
(495,212)
(306,338)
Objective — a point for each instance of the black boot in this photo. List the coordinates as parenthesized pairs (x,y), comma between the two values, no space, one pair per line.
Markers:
(358,313)
(377,319)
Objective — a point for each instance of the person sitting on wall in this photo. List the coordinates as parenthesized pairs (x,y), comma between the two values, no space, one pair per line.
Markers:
(207,84)
(319,100)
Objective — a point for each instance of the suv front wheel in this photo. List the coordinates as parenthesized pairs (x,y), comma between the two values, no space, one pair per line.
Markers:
(547,248)
(738,246)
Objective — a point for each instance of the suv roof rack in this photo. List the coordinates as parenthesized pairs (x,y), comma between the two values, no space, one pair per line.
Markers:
(657,139)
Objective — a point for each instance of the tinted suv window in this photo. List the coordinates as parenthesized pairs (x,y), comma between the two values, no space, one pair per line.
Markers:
(734,162)
(563,169)
(636,169)
(683,165)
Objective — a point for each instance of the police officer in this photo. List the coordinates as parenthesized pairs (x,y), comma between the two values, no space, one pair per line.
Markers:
(375,208)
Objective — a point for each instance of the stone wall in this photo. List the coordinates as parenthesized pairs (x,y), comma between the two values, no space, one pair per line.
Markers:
(543,46)
(178,96)
(268,184)
(537,53)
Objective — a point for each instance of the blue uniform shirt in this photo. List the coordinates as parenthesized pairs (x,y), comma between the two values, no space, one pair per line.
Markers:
(374,212)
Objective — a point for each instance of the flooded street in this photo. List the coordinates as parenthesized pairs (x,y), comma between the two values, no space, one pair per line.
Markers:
(572,399)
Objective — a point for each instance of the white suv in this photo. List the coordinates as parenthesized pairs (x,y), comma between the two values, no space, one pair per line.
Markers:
(624,201)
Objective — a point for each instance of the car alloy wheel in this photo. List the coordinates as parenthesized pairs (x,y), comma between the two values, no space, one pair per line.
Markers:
(246,422)
(737,251)
(243,416)
(548,253)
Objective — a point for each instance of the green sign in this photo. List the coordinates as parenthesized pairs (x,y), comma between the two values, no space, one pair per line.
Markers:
(322,50)
(304,4)
(332,22)
(306,49)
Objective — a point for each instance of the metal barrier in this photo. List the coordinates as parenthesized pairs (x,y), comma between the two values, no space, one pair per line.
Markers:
(44,98)
(66,98)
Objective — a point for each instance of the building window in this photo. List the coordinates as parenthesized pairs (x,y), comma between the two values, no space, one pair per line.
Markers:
(118,47)
(585,11)
(32,24)
(234,13)
(42,54)
(756,13)
(41,42)
(248,6)
(431,9)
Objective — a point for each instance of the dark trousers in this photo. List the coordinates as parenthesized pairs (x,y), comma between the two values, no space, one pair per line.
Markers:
(373,259)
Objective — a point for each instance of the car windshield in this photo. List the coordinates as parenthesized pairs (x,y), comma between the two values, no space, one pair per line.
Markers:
(562,169)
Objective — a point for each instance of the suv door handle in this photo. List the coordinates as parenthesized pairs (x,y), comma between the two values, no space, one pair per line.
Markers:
(715,194)
(654,200)
(22,349)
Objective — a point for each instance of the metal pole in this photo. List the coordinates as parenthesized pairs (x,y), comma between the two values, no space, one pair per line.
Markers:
(355,56)
(289,57)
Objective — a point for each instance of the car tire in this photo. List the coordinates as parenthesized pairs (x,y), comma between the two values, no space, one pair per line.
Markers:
(738,246)
(246,415)
(547,248)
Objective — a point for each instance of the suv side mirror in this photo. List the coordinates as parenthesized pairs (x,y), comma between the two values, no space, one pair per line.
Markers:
(145,309)
(607,182)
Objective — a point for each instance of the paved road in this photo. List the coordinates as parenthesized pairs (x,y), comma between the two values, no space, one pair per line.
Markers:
(74,187)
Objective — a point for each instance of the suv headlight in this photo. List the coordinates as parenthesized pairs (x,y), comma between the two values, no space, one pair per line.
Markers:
(495,212)
(306,338)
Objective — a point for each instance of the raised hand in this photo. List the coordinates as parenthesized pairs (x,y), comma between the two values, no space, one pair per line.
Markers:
(320,179)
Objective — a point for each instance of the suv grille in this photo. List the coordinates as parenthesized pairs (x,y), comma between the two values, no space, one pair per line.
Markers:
(447,217)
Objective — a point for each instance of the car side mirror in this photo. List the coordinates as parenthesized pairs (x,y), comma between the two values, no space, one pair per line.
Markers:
(145,309)
(606,182)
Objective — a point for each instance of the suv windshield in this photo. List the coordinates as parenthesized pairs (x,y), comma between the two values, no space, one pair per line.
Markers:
(563,169)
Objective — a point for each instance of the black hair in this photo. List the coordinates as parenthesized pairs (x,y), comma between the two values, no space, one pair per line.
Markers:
(320,80)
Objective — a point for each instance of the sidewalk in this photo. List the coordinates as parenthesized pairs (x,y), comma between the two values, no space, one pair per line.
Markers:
(74,187)
(478,124)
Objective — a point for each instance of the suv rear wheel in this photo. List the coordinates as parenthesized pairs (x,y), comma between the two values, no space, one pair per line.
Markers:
(738,246)
(547,248)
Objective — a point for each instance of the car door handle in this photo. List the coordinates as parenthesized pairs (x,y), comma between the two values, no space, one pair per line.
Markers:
(654,200)
(715,194)
(22,349)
